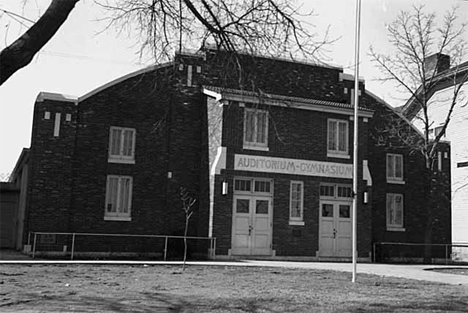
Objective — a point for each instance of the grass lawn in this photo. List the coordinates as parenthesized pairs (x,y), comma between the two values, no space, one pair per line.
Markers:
(104,288)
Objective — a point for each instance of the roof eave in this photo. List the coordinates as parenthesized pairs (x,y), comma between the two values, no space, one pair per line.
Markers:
(220,95)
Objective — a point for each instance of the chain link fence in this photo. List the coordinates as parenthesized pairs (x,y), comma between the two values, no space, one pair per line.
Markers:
(108,246)
(402,252)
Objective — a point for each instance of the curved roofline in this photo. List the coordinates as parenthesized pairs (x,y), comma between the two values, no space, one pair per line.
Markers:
(122,78)
(382,101)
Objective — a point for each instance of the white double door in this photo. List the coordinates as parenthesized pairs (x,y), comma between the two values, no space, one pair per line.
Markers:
(335,229)
(252,225)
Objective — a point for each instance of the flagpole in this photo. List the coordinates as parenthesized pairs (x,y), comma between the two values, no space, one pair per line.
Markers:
(355,136)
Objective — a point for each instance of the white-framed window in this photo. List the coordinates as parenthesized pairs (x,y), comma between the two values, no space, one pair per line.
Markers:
(337,138)
(395,212)
(118,198)
(260,186)
(296,203)
(255,129)
(336,191)
(122,145)
(395,168)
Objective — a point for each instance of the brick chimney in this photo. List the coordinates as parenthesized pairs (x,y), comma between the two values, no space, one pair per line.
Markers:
(437,63)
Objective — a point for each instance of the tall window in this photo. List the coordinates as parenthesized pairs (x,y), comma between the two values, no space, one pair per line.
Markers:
(337,138)
(122,145)
(296,202)
(394,167)
(118,197)
(394,212)
(255,128)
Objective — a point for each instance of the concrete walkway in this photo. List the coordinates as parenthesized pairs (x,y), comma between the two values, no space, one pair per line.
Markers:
(418,272)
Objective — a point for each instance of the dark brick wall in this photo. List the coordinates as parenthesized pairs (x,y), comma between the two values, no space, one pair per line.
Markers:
(142,103)
(68,190)
(381,142)
(50,170)
(274,76)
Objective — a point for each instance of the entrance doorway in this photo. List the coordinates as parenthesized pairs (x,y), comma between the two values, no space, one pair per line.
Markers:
(251,229)
(335,228)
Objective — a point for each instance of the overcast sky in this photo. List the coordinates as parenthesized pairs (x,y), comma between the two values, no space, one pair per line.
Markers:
(78,60)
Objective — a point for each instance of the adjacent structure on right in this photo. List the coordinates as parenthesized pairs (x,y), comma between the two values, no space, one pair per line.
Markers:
(441,96)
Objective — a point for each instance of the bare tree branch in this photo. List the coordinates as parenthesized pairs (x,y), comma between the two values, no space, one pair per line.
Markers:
(267,27)
(21,52)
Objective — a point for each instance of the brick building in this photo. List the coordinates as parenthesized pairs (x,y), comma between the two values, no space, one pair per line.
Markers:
(265,148)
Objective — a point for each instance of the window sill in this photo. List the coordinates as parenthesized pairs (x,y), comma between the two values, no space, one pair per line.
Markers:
(337,155)
(118,218)
(259,148)
(400,229)
(297,223)
(397,182)
(122,161)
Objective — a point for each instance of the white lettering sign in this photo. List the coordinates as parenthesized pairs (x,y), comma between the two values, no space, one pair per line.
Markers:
(255,163)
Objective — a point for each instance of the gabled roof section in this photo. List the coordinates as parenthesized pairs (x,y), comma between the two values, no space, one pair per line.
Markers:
(409,109)
(397,111)
(22,160)
(220,93)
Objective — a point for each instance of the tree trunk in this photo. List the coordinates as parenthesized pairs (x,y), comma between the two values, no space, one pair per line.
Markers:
(185,242)
(21,52)
(428,201)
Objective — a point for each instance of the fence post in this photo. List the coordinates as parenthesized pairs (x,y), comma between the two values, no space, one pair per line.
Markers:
(165,248)
(446,254)
(34,246)
(373,252)
(73,246)
(214,249)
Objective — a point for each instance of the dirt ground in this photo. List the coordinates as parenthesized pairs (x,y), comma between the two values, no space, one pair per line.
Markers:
(142,288)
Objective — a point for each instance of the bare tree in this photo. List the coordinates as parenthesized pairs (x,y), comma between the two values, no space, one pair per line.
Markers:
(416,36)
(274,27)
(188,203)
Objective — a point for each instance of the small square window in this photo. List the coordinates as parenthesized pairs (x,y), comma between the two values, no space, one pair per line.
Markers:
(344,192)
(47,115)
(262,186)
(243,185)
(327,190)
